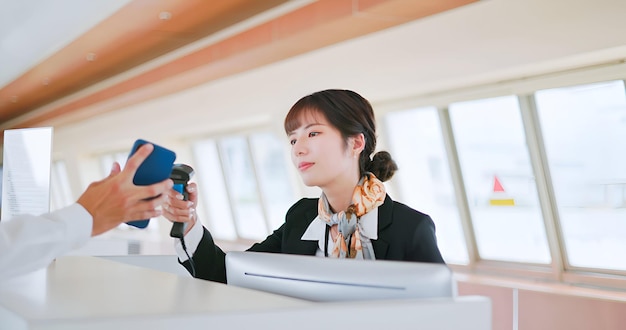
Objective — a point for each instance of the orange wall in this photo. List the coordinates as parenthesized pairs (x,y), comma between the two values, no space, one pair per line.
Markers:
(525,309)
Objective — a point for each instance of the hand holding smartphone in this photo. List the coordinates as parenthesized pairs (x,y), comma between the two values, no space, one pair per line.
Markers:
(156,168)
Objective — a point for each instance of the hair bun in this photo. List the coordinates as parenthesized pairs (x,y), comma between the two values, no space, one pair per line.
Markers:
(382,166)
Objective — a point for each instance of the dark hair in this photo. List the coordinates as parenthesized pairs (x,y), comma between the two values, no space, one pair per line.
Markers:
(351,114)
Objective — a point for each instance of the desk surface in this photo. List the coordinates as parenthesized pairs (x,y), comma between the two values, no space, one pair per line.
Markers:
(94,293)
(87,287)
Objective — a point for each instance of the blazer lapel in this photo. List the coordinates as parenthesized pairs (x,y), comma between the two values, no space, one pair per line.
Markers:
(384,220)
(298,246)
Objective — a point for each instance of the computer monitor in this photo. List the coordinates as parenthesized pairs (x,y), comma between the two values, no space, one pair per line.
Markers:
(330,279)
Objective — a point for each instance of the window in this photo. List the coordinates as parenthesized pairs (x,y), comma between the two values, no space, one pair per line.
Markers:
(584,130)
(242,179)
(499,180)
(212,190)
(60,192)
(106,162)
(242,186)
(423,177)
(270,162)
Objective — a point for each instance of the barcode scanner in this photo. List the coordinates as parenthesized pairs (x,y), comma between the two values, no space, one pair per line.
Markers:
(181,174)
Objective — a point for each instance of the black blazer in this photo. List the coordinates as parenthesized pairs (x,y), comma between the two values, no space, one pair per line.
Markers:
(403,234)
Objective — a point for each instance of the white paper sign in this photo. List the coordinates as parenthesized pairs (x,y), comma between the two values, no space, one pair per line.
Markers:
(27,157)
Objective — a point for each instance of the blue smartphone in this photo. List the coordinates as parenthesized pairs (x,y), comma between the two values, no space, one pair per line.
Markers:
(156,168)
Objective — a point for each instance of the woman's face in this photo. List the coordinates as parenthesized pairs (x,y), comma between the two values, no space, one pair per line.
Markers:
(320,154)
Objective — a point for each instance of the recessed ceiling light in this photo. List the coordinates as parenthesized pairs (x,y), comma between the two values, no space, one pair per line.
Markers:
(165,15)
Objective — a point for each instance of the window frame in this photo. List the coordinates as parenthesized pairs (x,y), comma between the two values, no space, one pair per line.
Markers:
(559,269)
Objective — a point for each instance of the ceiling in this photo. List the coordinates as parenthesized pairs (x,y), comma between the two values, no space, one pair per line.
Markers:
(25,34)
(58,58)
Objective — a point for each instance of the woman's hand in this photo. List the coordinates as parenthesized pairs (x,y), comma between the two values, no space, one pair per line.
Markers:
(175,209)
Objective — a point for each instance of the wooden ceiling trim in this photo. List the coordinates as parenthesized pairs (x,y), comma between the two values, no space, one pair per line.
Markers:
(132,36)
(408,9)
(306,18)
(248,50)
(319,24)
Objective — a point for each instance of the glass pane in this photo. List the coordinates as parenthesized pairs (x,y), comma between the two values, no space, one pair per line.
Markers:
(243,188)
(121,158)
(584,129)
(212,191)
(499,180)
(60,192)
(271,163)
(423,177)
(106,162)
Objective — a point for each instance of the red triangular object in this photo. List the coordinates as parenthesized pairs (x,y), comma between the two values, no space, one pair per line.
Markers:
(497,186)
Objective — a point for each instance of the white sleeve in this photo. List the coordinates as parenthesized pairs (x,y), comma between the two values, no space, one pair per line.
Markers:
(29,242)
(192,240)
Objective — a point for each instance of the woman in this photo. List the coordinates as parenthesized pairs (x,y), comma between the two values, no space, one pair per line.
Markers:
(332,135)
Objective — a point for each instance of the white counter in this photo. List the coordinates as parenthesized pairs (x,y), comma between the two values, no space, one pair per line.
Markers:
(94,293)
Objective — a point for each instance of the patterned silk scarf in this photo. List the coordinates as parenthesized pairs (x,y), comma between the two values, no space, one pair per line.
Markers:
(368,195)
